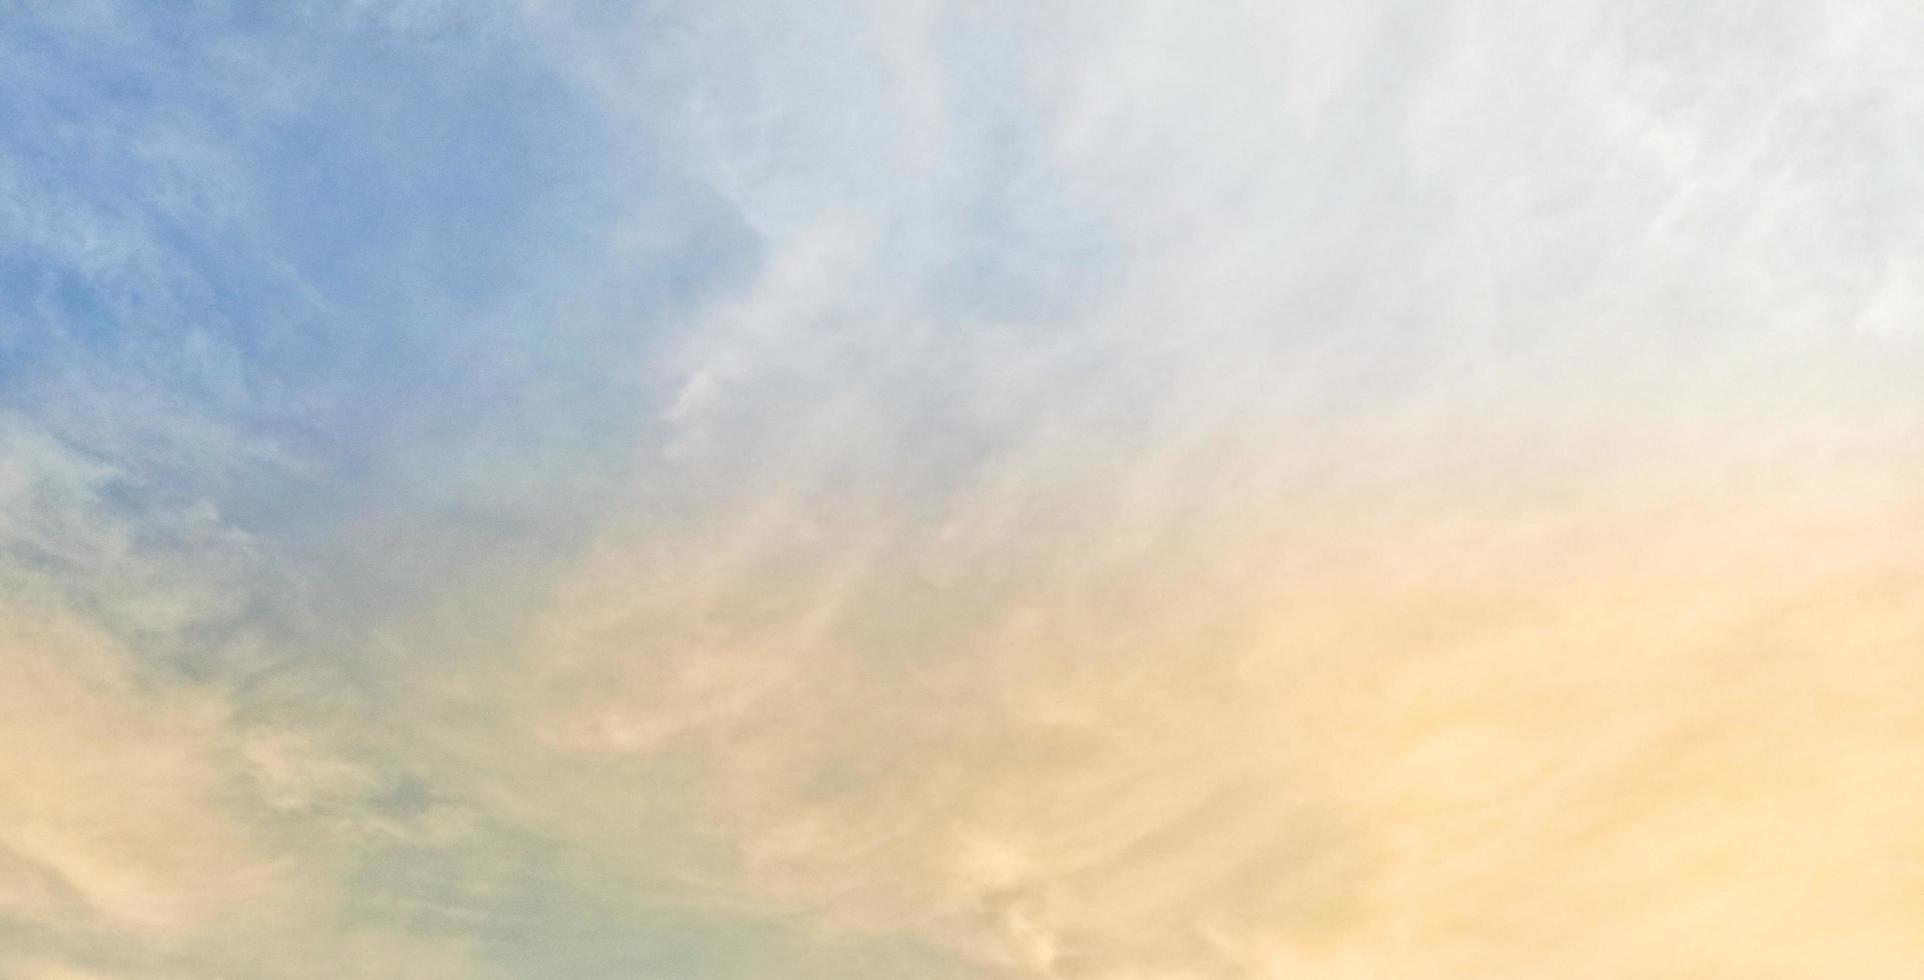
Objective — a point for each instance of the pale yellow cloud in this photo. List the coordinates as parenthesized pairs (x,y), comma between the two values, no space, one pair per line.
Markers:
(145,830)
(1170,706)
(1352,591)
(1493,749)
(113,810)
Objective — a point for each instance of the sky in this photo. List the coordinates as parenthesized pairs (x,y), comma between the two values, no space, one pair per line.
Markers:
(935,490)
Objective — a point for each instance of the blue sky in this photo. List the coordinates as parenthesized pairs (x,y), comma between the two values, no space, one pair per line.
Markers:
(1124,491)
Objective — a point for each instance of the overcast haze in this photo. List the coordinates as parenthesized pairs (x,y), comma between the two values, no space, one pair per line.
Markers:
(922,490)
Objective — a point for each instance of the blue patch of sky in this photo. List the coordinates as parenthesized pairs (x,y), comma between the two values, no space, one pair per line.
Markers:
(352,286)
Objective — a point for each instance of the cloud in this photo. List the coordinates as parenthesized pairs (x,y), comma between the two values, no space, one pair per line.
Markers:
(1438,553)
(870,489)
(114,818)
(1395,741)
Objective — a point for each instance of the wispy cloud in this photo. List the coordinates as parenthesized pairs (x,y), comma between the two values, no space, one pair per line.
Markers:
(858,489)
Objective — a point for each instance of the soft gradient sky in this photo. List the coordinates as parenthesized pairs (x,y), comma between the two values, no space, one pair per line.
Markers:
(940,490)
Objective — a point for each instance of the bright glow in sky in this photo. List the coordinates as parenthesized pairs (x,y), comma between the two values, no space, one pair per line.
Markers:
(940,490)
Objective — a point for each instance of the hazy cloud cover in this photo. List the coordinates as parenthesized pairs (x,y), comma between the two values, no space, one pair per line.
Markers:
(1038,491)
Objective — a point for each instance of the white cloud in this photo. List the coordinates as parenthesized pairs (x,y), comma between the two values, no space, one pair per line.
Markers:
(1467,541)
